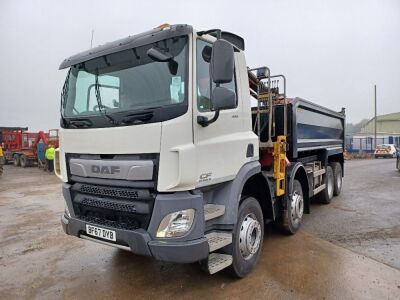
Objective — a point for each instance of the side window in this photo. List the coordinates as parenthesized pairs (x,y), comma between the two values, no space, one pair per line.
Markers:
(204,83)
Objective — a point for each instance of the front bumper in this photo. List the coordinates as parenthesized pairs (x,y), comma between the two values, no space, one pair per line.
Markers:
(189,248)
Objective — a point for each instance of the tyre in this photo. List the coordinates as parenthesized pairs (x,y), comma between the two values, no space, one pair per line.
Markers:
(337,178)
(293,214)
(326,195)
(16,160)
(23,160)
(248,235)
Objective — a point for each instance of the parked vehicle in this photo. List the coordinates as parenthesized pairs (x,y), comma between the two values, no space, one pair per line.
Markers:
(163,155)
(20,146)
(385,151)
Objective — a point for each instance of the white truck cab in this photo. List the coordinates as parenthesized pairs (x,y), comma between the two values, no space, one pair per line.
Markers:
(160,150)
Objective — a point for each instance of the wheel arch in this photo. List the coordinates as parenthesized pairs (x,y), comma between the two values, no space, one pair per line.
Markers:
(336,157)
(230,193)
(258,187)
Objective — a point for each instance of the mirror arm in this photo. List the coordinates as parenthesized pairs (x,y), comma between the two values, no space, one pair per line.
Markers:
(204,121)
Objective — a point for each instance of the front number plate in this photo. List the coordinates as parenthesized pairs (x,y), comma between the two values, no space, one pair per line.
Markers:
(101,233)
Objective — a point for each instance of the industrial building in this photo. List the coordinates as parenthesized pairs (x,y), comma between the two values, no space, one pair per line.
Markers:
(388,132)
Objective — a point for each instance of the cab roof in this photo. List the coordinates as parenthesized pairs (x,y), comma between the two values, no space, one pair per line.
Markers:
(147,37)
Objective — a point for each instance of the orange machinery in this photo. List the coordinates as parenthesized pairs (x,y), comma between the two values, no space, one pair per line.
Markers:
(21,146)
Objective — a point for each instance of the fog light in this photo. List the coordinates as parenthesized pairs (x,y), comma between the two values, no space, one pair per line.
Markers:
(176,224)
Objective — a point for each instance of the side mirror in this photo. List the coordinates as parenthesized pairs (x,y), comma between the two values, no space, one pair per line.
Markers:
(223,98)
(158,54)
(221,69)
(222,62)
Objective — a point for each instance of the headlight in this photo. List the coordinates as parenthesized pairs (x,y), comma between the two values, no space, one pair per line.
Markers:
(176,224)
(66,212)
(57,167)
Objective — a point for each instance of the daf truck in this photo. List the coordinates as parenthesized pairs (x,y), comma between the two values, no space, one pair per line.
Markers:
(171,147)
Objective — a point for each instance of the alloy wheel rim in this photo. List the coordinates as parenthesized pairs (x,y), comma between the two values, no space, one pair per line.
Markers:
(249,236)
(297,207)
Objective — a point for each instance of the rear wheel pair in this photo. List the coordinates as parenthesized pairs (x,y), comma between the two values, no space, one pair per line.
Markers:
(21,160)
(333,183)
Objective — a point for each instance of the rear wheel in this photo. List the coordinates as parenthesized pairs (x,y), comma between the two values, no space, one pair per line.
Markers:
(248,236)
(337,178)
(23,160)
(326,195)
(17,161)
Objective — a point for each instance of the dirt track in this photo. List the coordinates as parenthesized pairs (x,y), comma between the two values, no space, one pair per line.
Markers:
(349,249)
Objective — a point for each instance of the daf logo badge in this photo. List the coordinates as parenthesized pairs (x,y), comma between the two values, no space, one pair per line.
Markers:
(105,169)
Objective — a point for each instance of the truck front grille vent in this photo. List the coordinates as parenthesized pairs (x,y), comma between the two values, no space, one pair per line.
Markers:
(110,192)
(125,207)
(128,225)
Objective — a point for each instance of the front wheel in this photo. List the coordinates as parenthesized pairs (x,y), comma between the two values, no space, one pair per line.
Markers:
(248,236)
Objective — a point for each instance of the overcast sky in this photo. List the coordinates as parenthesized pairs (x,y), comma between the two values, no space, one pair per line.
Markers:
(332,52)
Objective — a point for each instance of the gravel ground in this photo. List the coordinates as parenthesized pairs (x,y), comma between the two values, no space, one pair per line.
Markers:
(345,250)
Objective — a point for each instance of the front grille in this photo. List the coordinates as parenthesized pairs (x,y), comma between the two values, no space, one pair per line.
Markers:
(121,208)
(110,192)
(127,224)
(111,205)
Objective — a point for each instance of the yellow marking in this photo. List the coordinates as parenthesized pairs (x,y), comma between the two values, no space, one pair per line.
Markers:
(279,164)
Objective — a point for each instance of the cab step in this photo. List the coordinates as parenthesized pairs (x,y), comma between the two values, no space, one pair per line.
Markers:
(218,262)
(217,240)
(212,211)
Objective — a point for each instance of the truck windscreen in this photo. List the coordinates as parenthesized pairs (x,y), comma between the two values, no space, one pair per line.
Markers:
(127,82)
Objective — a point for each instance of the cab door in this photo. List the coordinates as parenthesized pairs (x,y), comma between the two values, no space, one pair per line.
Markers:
(220,146)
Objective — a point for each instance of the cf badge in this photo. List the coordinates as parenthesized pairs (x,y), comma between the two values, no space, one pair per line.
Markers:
(205,177)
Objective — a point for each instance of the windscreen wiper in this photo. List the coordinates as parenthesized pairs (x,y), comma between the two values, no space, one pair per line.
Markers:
(139,118)
(99,104)
(80,123)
